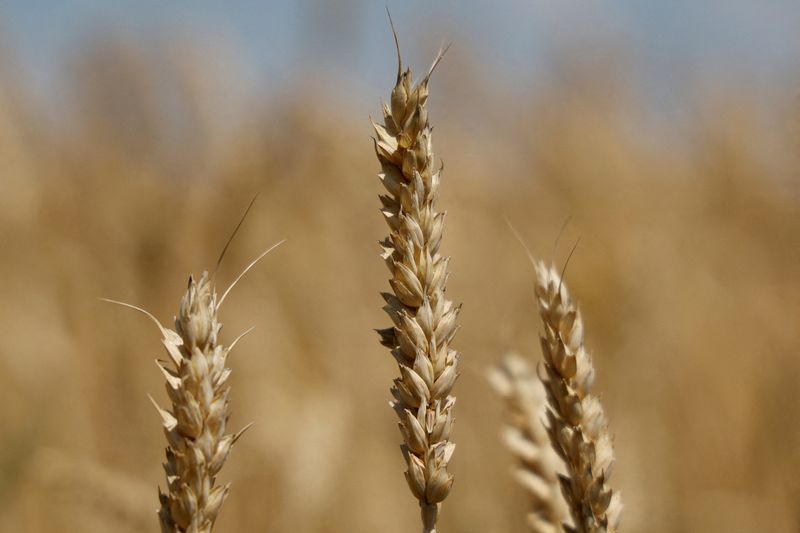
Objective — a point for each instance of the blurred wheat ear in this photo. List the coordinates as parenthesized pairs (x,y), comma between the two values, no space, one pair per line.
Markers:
(424,319)
(578,427)
(196,375)
(525,435)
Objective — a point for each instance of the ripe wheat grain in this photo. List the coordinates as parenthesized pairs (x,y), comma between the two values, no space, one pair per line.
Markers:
(578,427)
(196,376)
(424,319)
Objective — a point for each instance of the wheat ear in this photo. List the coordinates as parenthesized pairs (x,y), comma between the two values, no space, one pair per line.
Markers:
(578,427)
(424,319)
(525,435)
(197,445)
(196,376)
(195,429)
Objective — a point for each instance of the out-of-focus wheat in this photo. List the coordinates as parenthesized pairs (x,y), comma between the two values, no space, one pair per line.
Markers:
(515,380)
(578,427)
(424,319)
(107,496)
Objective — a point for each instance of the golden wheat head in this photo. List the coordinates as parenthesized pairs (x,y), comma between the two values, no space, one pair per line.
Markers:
(424,320)
(578,427)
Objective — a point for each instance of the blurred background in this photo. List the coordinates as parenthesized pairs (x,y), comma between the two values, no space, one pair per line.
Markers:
(665,136)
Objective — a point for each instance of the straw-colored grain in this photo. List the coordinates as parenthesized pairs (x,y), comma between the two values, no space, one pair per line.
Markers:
(197,445)
(195,429)
(577,427)
(196,375)
(424,319)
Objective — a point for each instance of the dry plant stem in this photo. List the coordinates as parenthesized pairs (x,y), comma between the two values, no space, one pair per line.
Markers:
(525,435)
(578,427)
(424,320)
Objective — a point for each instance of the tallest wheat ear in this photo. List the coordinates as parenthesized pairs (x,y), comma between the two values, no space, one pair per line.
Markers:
(424,319)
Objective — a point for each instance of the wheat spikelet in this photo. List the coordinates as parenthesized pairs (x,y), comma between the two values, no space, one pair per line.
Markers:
(578,427)
(515,380)
(424,319)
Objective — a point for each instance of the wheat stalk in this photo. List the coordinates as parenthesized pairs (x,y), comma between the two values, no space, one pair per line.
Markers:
(424,319)
(578,427)
(196,376)
(525,435)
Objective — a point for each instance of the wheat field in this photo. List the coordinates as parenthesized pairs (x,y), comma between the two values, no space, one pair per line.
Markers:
(687,273)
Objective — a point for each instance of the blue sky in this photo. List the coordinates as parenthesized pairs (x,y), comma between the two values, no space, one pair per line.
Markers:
(281,40)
